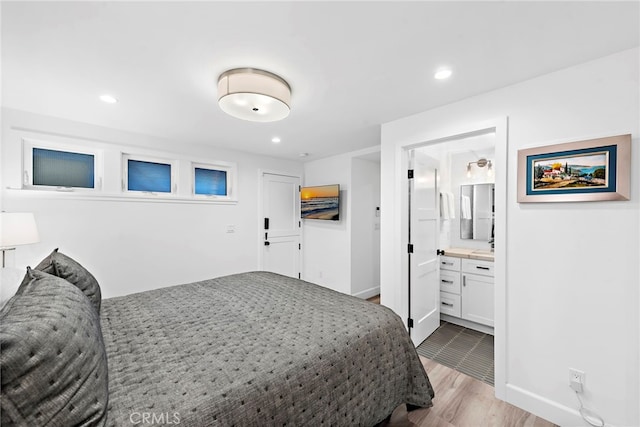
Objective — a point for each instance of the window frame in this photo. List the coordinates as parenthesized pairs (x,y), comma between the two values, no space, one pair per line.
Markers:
(231,172)
(28,145)
(149,159)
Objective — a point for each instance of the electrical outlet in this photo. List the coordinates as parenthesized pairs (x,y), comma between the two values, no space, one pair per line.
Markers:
(576,380)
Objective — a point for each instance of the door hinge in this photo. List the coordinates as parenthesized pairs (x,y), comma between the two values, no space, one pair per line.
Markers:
(299,246)
(299,277)
(410,174)
(410,322)
(410,248)
(439,252)
(299,225)
(266,223)
(299,188)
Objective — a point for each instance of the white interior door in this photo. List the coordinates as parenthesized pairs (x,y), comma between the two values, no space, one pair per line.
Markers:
(280,239)
(424,224)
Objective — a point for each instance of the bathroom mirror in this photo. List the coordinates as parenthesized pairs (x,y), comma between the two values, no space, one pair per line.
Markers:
(477,211)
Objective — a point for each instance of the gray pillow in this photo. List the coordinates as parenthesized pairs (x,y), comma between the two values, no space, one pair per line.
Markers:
(53,360)
(65,267)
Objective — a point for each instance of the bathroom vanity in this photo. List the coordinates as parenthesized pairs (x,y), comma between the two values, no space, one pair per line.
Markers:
(467,288)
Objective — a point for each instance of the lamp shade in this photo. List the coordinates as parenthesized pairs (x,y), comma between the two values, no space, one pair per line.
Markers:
(17,228)
(254,95)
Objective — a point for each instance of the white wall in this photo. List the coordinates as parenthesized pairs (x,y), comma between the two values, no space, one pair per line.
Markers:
(578,308)
(326,246)
(365,228)
(132,246)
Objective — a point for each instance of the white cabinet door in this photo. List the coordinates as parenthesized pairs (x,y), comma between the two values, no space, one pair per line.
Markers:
(477,298)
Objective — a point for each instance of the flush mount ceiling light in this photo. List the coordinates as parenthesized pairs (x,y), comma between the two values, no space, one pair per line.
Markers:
(108,99)
(254,95)
(481,163)
(442,74)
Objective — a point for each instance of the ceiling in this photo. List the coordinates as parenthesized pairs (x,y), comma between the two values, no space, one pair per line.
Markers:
(351,65)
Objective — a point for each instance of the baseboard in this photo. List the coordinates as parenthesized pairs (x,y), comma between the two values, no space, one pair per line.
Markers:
(467,324)
(543,407)
(368,293)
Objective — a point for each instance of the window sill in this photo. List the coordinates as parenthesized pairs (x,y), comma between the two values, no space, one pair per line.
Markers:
(120,197)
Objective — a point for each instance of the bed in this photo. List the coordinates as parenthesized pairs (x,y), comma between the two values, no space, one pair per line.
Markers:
(250,349)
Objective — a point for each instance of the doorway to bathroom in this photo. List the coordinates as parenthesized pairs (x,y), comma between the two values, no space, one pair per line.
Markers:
(458,152)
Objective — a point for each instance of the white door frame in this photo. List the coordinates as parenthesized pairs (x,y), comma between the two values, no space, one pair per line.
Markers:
(395,223)
(259,224)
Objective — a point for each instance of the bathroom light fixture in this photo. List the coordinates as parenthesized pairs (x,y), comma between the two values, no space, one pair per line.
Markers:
(254,95)
(276,140)
(481,163)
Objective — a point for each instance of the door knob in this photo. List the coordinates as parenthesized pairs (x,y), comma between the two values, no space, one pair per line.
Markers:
(267,243)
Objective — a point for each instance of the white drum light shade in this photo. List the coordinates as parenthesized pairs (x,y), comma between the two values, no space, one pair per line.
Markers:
(254,95)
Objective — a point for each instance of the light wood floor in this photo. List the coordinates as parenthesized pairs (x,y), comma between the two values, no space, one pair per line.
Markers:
(462,401)
(375,300)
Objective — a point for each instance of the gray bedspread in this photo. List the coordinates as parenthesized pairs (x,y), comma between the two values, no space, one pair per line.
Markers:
(256,349)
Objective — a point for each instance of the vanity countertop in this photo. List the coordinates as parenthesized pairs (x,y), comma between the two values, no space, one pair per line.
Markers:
(481,254)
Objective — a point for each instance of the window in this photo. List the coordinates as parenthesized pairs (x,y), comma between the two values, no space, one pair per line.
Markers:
(92,169)
(59,166)
(213,180)
(148,175)
(63,168)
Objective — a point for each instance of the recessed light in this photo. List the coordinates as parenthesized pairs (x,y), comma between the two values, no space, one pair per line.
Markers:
(108,99)
(443,73)
(275,140)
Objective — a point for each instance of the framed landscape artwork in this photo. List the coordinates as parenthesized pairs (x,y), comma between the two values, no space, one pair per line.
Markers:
(591,170)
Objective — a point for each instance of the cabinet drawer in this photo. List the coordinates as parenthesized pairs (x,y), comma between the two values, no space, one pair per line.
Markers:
(449,263)
(475,266)
(450,281)
(450,304)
